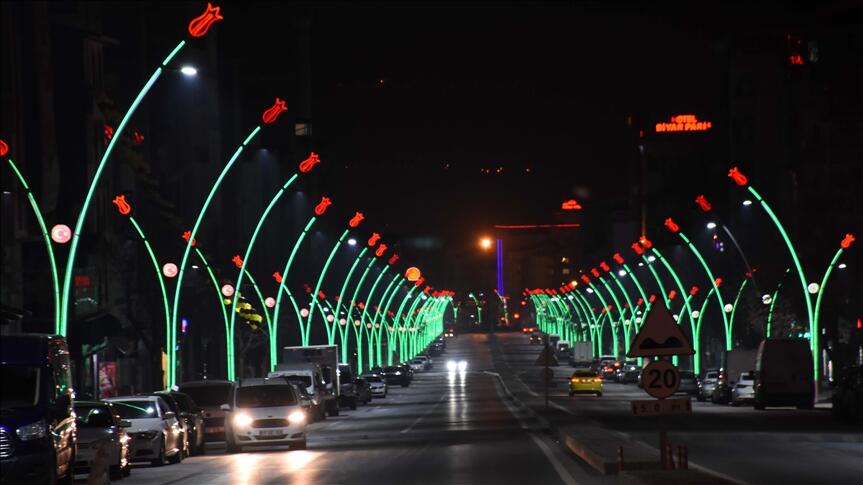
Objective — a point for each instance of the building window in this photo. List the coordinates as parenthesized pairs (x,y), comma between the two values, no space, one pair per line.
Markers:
(303,129)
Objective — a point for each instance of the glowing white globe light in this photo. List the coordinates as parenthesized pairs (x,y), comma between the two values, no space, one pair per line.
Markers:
(270,302)
(304,312)
(61,234)
(228,290)
(169,270)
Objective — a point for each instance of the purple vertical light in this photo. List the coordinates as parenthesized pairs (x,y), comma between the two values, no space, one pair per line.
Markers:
(500,267)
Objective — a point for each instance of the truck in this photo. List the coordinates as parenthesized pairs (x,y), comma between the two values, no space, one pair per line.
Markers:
(317,367)
(581,354)
(784,374)
(735,362)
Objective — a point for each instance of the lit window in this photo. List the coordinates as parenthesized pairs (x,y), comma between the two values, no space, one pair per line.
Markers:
(303,129)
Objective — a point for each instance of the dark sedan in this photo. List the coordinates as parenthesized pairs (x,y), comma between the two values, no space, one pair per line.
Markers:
(395,375)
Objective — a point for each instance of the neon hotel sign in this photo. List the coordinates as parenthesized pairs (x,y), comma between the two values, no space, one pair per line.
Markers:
(683,123)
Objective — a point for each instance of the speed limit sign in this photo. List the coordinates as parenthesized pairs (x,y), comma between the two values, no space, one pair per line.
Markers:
(660,379)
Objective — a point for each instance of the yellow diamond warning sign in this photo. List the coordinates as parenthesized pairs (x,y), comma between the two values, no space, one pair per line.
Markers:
(660,335)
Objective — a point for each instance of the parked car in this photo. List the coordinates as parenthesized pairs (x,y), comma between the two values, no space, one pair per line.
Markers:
(535,338)
(37,425)
(394,375)
(99,424)
(722,390)
(347,392)
(707,383)
(264,411)
(619,372)
(184,427)
(449,333)
(688,383)
(585,381)
(848,396)
(364,392)
(209,395)
(632,376)
(154,429)
(418,365)
(313,408)
(377,385)
(744,389)
(193,416)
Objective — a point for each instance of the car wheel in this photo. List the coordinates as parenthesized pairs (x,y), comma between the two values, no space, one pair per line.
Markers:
(176,457)
(160,459)
(231,446)
(116,472)
(353,404)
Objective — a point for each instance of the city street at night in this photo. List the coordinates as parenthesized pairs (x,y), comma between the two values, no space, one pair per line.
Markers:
(475,242)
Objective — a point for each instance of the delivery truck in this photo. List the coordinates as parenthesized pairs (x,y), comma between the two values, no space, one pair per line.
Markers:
(317,367)
(581,354)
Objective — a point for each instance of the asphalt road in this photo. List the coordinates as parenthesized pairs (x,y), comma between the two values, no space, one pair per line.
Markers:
(443,429)
(780,445)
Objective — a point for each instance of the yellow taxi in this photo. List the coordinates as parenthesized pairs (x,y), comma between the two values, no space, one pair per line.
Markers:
(585,382)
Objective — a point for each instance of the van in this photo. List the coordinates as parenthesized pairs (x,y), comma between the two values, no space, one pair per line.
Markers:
(784,374)
(312,377)
(561,350)
(37,422)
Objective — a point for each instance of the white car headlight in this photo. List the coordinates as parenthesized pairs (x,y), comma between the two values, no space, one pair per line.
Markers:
(451,366)
(462,366)
(297,417)
(242,420)
(32,431)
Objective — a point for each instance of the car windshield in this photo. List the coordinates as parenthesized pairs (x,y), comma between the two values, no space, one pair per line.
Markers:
(266,396)
(20,386)
(301,388)
(213,395)
(83,412)
(686,375)
(711,375)
(137,409)
(583,374)
(304,380)
(372,378)
(185,402)
(392,369)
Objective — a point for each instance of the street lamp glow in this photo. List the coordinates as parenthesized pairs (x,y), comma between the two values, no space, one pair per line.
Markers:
(621,273)
(485,243)
(352,242)
(766,299)
(61,234)
(189,71)
(651,258)
(169,270)
(589,290)
(695,313)
(729,307)
(228,290)
(813,288)
(270,302)
(711,225)
(842,266)
(747,203)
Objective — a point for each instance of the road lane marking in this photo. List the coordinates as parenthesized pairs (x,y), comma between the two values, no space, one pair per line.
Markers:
(543,447)
(406,430)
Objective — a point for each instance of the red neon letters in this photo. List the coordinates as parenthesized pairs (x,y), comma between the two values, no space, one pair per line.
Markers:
(122,206)
(671,225)
(322,206)
(374,239)
(570,205)
(355,221)
(704,203)
(684,123)
(272,113)
(277,276)
(237,260)
(199,25)
(381,250)
(846,242)
(738,177)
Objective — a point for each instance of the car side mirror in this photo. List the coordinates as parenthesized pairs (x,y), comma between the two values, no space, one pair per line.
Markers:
(225,407)
(169,415)
(125,423)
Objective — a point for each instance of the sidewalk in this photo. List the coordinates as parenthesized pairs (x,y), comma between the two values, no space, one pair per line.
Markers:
(595,445)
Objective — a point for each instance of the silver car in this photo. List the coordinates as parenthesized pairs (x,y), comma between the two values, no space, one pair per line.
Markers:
(99,424)
(155,431)
(688,383)
(377,385)
(744,389)
(707,384)
(265,411)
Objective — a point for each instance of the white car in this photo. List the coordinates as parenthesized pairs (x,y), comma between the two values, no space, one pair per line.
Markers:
(265,411)
(155,431)
(377,385)
(418,365)
(744,389)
